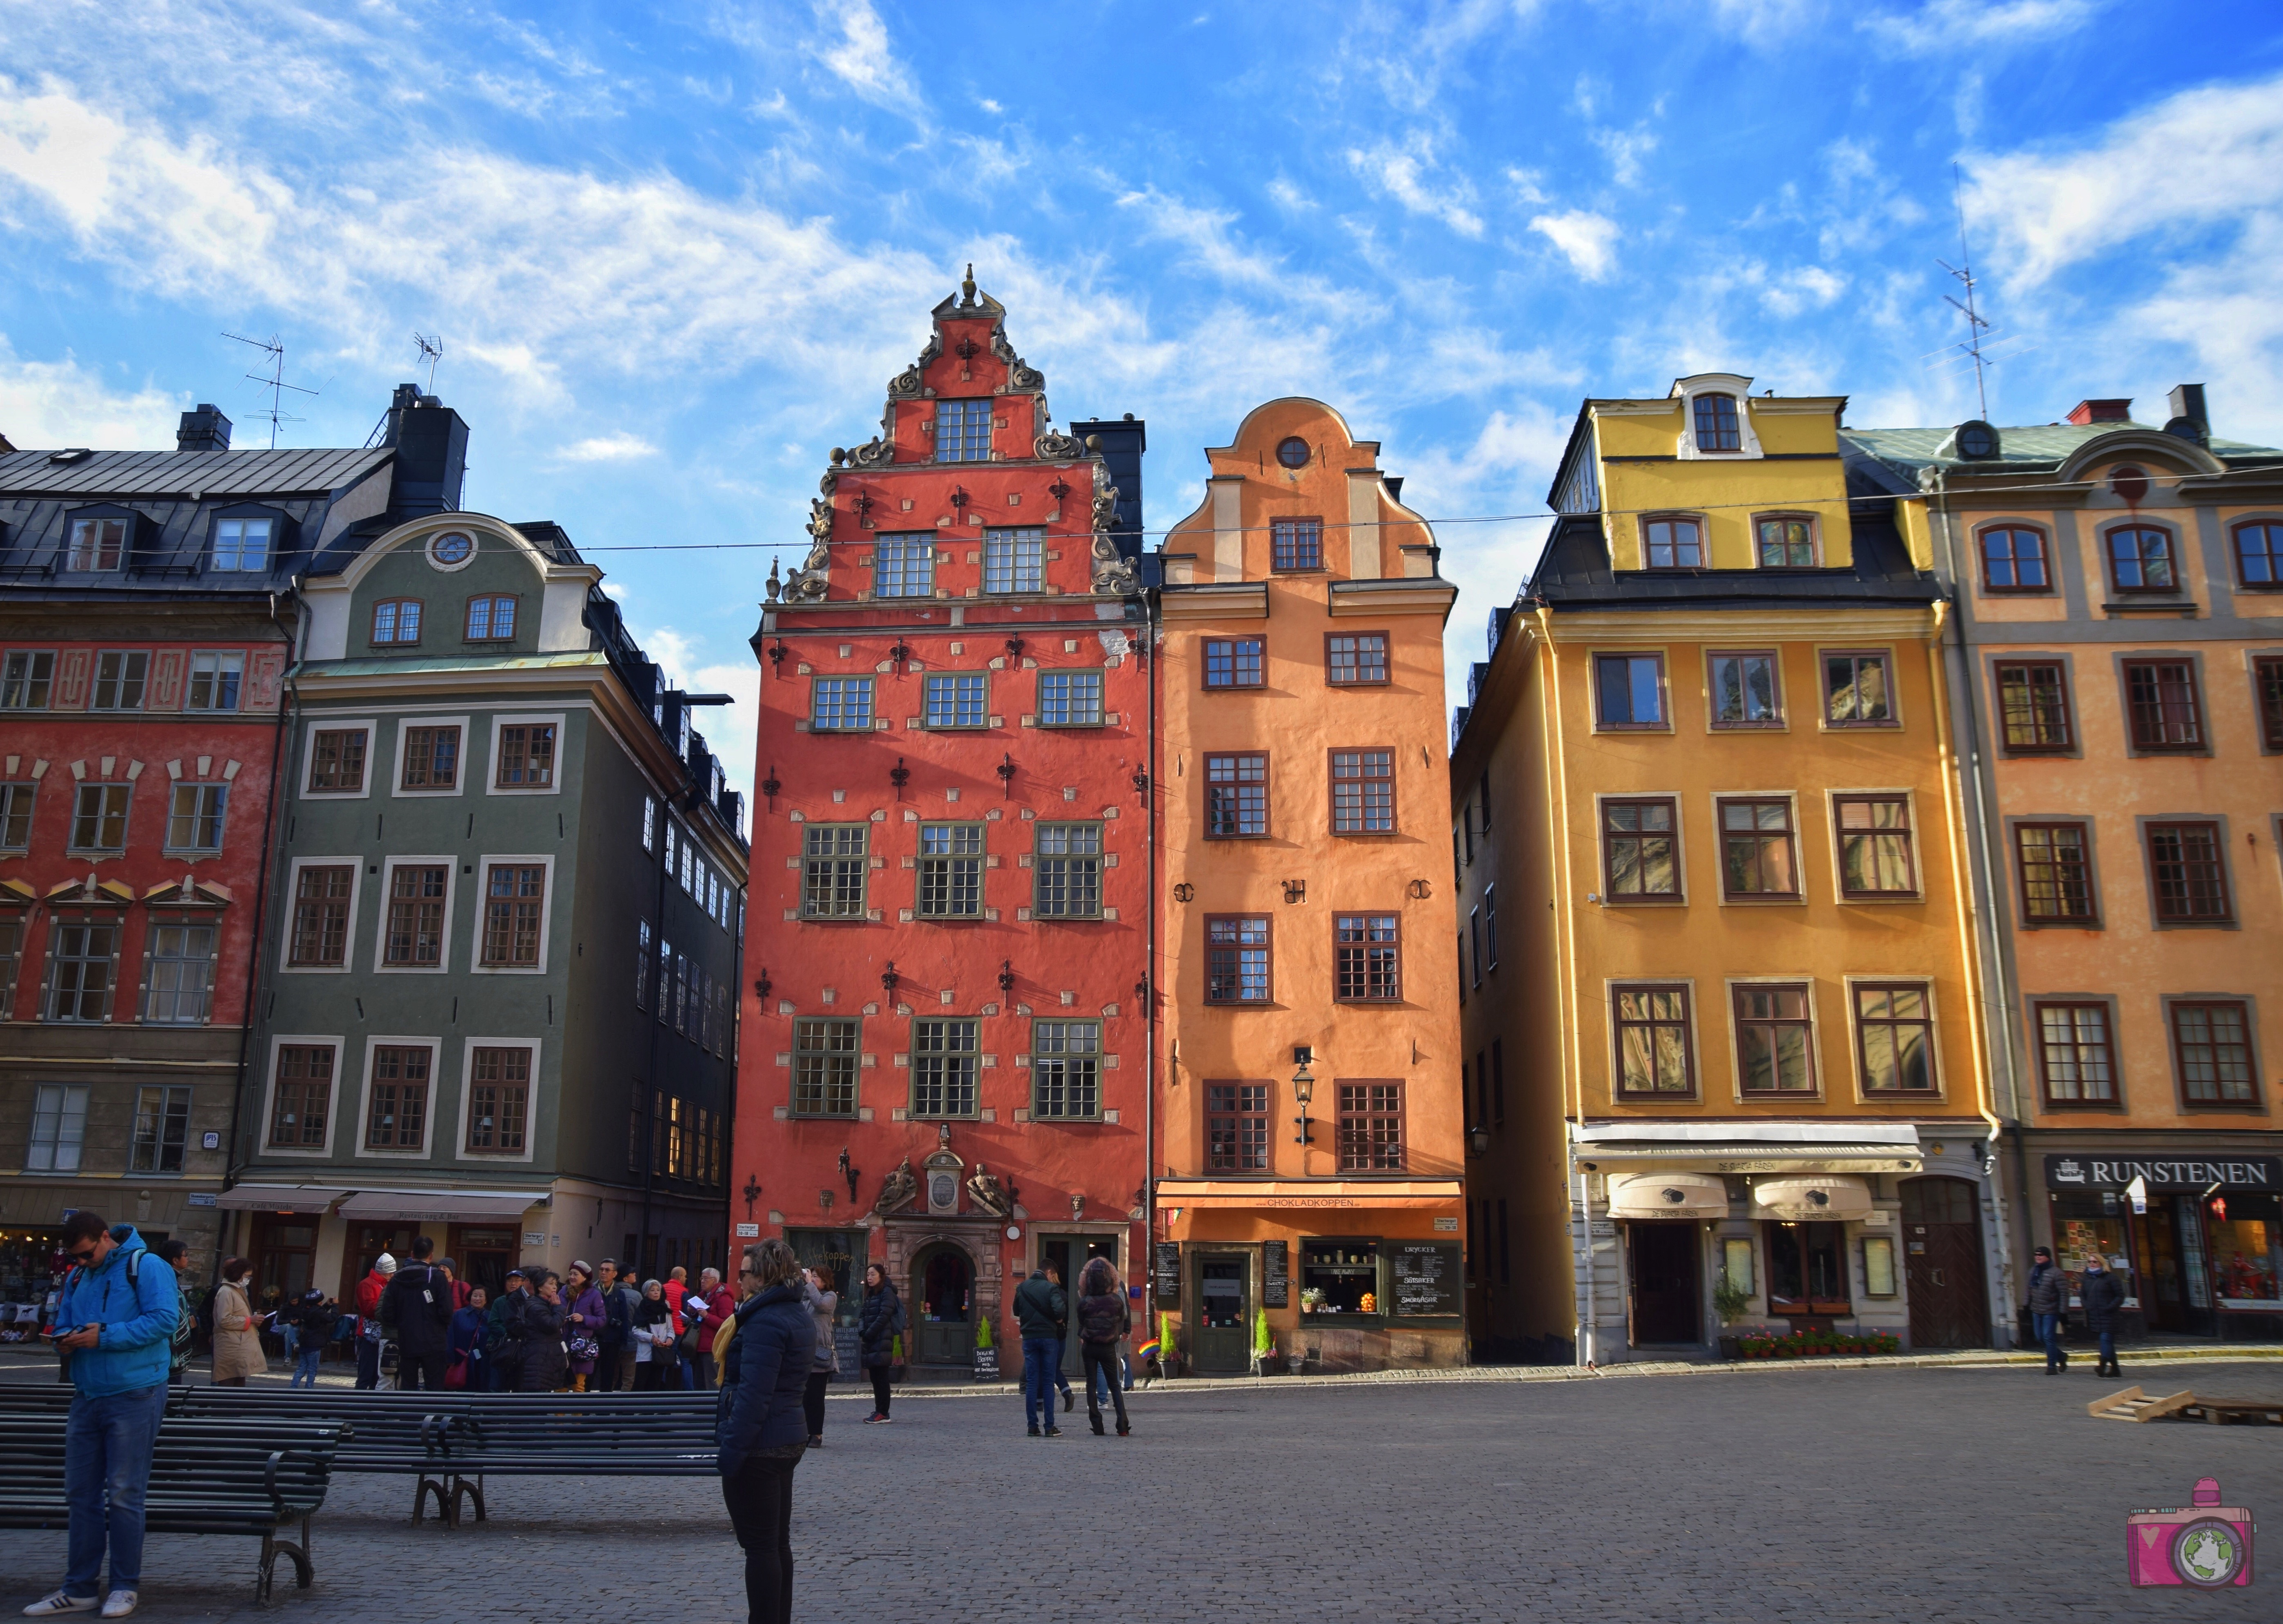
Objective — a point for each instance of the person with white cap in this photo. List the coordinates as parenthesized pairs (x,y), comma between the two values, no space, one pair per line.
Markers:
(369,1335)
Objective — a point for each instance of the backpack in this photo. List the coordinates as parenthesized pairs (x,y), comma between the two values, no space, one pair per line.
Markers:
(206,1312)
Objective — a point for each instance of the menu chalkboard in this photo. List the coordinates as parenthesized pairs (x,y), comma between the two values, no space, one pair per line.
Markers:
(1169,1274)
(1426,1280)
(1276,1274)
(986,1364)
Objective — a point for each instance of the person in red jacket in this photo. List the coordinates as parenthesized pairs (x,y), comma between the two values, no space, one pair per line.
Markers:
(719,1306)
(368,1302)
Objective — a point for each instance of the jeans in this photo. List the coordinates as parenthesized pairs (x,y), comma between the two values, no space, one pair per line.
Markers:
(2049,1332)
(291,1335)
(305,1370)
(759,1498)
(1042,1357)
(107,1445)
(2107,1345)
(1101,1372)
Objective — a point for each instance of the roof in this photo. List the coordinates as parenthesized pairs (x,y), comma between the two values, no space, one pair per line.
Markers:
(1575,573)
(2021,449)
(550,538)
(212,474)
(564,660)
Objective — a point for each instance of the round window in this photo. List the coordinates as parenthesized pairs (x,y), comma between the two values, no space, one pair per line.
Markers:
(1977,441)
(2129,483)
(451,548)
(1293,452)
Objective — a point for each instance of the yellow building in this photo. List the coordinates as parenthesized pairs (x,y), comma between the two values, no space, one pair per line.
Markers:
(1720,1002)
(1311,1143)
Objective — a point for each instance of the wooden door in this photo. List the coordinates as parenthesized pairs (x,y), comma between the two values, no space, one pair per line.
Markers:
(1941,1257)
(367,1242)
(1069,1254)
(1223,1341)
(943,1316)
(1664,1306)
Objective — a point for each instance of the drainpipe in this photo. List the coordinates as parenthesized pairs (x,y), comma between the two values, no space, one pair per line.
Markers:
(1151,959)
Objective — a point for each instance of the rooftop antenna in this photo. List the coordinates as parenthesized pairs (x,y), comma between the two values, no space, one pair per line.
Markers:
(274,381)
(431,351)
(1976,329)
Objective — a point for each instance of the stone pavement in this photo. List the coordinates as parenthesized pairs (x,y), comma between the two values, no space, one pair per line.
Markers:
(1785,1493)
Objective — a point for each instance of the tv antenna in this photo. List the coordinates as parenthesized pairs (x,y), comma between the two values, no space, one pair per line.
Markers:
(274,381)
(1977,331)
(431,351)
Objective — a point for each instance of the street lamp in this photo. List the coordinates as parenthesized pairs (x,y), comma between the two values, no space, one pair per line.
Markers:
(1304,1089)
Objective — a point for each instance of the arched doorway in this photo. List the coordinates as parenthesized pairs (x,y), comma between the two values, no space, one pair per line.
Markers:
(1941,1254)
(943,1306)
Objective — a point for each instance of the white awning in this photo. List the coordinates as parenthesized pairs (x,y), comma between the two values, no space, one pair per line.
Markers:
(1832,1199)
(441,1206)
(279,1199)
(1776,1146)
(1668,1195)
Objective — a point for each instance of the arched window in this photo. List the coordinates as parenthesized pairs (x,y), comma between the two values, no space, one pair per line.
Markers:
(1673,540)
(2259,555)
(2140,560)
(1786,540)
(2014,559)
(1716,429)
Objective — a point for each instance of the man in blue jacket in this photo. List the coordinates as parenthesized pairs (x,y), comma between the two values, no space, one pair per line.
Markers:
(115,1322)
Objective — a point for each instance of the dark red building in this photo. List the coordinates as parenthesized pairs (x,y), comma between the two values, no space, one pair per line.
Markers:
(945,1066)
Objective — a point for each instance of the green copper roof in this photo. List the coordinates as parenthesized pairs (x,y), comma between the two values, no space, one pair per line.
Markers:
(2041,445)
(466,662)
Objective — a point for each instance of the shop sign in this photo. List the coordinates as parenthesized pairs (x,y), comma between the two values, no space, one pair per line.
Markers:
(1426,1280)
(1276,1274)
(2195,1175)
(1169,1271)
(534,1237)
(986,1364)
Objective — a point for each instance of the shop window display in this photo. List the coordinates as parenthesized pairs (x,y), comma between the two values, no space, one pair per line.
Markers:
(1807,1268)
(1339,1276)
(2094,1227)
(31,1264)
(2242,1234)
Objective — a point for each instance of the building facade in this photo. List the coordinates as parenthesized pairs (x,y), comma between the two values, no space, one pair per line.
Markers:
(1312,1144)
(1718,973)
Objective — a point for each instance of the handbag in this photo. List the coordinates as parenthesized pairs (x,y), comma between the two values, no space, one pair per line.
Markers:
(582,1347)
(456,1374)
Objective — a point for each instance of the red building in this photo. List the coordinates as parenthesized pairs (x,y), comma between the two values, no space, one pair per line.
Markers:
(945,1066)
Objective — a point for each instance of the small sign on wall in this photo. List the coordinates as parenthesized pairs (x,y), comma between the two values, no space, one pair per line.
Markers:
(748,1231)
(210,1142)
(199,1200)
(1446,1223)
(534,1237)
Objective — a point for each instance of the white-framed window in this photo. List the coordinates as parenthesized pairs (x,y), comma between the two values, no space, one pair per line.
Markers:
(431,757)
(398,1099)
(178,972)
(513,912)
(59,1128)
(82,967)
(498,1094)
(194,818)
(16,803)
(243,545)
(526,755)
(297,1108)
(120,679)
(417,894)
(962,431)
(27,677)
(97,544)
(321,902)
(337,756)
(99,817)
(215,677)
(163,1129)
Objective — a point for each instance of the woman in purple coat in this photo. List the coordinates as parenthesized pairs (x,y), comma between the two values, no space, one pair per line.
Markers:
(583,1317)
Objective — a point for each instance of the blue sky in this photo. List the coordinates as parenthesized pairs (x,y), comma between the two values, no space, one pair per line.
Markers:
(675,253)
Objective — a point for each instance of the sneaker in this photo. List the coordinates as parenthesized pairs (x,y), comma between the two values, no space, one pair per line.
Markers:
(49,1606)
(118,1604)
(884,1420)
(1034,1432)
(869,1419)
(1054,1431)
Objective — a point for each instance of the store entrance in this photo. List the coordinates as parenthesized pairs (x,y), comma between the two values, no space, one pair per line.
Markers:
(943,1292)
(1222,1342)
(1069,1253)
(367,1242)
(483,1257)
(1942,1251)
(1664,1306)
(285,1255)
(2168,1245)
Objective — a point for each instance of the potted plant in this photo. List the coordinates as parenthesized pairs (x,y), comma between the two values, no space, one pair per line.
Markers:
(1729,1301)
(1311,1299)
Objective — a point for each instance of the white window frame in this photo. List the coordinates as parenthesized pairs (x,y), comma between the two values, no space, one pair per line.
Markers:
(63,1111)
(317,724)
(359,1148)
(525,719)
(264,1150)
(189,919)
(190,675)
(404,725)
(460,1152)
(388,866)
(483,878)
(356,866)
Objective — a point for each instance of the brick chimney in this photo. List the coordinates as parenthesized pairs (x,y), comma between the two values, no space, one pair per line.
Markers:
(204,429)
(2101,411)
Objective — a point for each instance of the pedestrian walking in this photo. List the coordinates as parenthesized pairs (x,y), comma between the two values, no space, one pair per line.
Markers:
(877,1323)
(469,1370)
(115,1320)
(653,1324)
(2100,1293)
(238,1335)
(583,1316)
(502,1342)
(415,1314)
(822,1304)
(543,1369)
(175,1255)
(318,1319)
(1042,1312)
(369,1334)
(2046,1285)
(1103,1319)
(765,1365)
(719,1305)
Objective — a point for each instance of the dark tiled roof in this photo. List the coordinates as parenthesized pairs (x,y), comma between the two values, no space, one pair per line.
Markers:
(1575,573)
(215,475)
(550,538)
(2020,450)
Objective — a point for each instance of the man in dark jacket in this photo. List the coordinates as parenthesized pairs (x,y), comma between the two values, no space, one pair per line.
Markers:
(1042,1311)
(503,1335)
(2048,1284)
(611,1339)
(416,1312)
(762,1431)
(2102,1294)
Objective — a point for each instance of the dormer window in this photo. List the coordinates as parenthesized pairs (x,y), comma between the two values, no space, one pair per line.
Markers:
(1716,429)
(242,543)
(962,431)
(396,621)
(97,544)
(491,620)
(1673,541)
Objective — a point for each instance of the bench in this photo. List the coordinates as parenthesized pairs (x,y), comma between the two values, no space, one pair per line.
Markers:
(251,1478)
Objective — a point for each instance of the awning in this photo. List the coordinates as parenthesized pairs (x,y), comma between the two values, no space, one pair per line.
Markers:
(440,1206)
(278,1199)
(1834,1200)
(1225,1194)
(1669,1195)
(1754,1147)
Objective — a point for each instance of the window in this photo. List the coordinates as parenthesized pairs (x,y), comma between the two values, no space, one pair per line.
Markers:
(1070,699)
(1785,543)
(1856,693)
(1654,1053)
(1498,1082)
(2013,561)
(416,915)
(951,870)
(1807,1268)
(2166,711)
(1293,452)
(241,544)
(16,801)
(903,566)
(79,979)
(833,863)
(2056,863)
(59,1128)
(162,1129)
(1295,543)
(119,675)
(650,825)
(1775,1040)
(337,761)
(95,544)
(1874,846)
(397,1118)
(1490,924)
(1632,690)
(396,621)
(491,620)
(1065,1070)
(194,818)
(1233,662)
(1363,792)
(1236,1126)
(944,1062)
(1894,1035)
(1236,795)
(1371,1126)
(321,916)
(26,678)
(1672,543)
(2212,1043)
(1475,939)
(2267,680)
(214,677)
(1638,857)
(2033,708)
(825,1068)
(953,700)
(515,895)
(962,431)
(843,705)
(1747,692)
(1069,878)
(432,757)
(304,1096)
(665,992)
(2259,554)
(1339,1276)
(1759,856)
(499,1100)
(1369,960)
(1014,560)
(99,818)
(2074,1054)
(2140,560)
(1717,428)
(641,963)
(2189,872)
(1236,959)
(1354,661)
(526,757)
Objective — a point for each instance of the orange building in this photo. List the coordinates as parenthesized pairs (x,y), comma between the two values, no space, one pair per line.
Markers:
(1313,1134)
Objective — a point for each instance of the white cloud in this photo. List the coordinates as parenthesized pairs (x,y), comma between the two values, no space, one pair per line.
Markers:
(988,105)
(863,57)
(730,730)
(616,448)
(52,403)
(1587,241)
(1765,22)
(1285,195)
(1942,26)
(1403,174)
(1811,287)
(1626,148)
(1526,188)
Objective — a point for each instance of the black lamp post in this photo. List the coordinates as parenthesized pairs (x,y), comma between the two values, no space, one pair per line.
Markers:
(1304,1091)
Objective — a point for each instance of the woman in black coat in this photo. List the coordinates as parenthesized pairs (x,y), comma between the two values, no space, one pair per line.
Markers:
(761,1428)
(881,1318)
(2101,1295)
(544,1368)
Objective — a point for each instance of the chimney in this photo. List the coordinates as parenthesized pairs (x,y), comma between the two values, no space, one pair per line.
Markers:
(2101,411)
(205,429)
(2188,410)
(431,442)
(1124,439)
